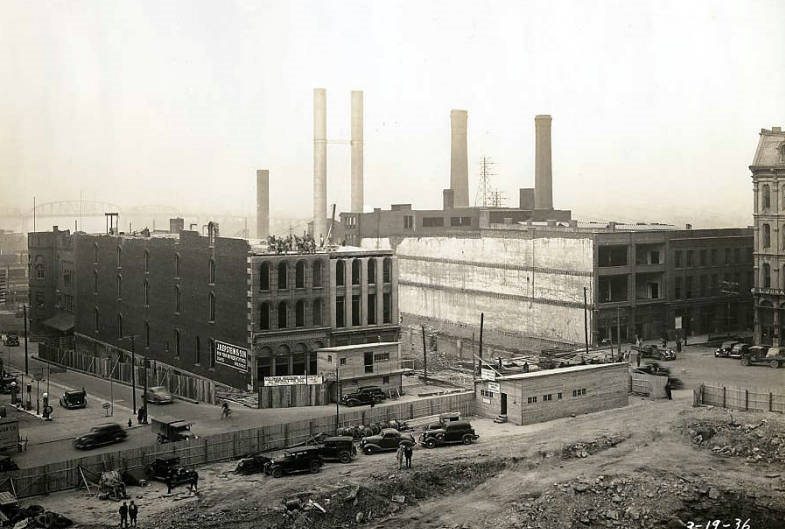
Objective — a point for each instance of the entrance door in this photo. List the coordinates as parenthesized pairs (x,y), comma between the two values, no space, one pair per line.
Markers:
(504,404)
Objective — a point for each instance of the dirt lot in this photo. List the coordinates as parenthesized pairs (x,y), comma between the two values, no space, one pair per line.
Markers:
(649,465)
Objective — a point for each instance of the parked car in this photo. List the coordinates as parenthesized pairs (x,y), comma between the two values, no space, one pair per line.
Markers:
(104,434)
(305,459)
(338,448)
(158,395)
(762,355)
(386,441)
(72,400)
(6,382)
(11,339)
(449,433)
(363,395)
(723,351)
(658,353)
(161,468)
(253,464)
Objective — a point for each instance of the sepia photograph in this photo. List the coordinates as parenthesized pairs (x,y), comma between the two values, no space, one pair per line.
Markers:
(338,264)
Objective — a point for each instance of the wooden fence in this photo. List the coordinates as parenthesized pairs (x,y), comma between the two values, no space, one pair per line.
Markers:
(219,447)
(293,396)
(739,398)
(652,386)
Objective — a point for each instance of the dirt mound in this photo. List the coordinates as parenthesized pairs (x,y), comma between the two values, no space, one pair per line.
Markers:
(644,501)
(761,441)
(586,448)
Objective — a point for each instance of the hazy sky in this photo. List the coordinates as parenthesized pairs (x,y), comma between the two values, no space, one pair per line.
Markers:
(656,105)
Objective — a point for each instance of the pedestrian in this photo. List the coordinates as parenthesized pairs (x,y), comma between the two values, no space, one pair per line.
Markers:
(133,512)
(140,415)
(407,453)
(638,358)
(668,389)
(685,339)
(169,483)
(123,515)
(194,484)
(399,455)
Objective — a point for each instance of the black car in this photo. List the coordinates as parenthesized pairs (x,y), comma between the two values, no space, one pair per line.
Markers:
(162,467)
(364,395)
(338,448)
(72,400)
(387,441)
(12,339)
(306,459)
(723,351)
(252,464)
(104,434)
(449,433)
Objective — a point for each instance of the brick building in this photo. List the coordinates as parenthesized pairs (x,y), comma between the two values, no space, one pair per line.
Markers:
(52,283)
(768,182)
(13,269)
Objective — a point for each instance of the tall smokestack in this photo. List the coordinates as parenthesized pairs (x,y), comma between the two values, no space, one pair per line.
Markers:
(262,203)
(319,163)
(459,161)
(543,179)
(357,151)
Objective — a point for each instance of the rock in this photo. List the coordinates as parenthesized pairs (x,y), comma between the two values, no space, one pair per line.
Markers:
(714,493)
(358,518)
(580,487)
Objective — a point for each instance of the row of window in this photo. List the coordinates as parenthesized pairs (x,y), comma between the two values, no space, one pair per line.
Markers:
(283,314)
(549,397)
(711,257)
(316,273)
(211,263)
(371,310)
(765,275)
(709,285)
(436,222)
(176,337)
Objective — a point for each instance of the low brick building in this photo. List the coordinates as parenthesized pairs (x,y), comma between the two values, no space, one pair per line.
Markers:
(371,364)
(544,395)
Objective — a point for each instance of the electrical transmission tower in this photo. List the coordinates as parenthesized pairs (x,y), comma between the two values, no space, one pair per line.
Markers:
(487,196)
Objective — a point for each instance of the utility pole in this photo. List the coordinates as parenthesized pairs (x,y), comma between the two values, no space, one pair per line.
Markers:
(424,355)
(27,368)
(482,320)
(337,397)
(618,328)
(132,337)
(585,319)
(144,395)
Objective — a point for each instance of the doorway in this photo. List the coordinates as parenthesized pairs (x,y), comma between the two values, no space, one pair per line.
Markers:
(504,404)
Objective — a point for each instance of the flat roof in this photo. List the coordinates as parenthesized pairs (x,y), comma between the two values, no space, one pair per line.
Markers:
(340,348)
(557,371)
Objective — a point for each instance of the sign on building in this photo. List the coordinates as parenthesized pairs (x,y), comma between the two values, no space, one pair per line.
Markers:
(487,374)
(293,380)
(231,356)
(677,323)
(494,386)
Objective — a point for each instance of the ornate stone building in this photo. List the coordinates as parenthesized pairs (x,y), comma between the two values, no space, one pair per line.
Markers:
(768,180)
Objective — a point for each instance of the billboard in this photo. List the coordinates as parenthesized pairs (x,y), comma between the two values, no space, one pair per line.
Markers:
(231,356)
(292,380)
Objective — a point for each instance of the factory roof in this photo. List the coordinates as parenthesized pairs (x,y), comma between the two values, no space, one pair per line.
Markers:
(558,371)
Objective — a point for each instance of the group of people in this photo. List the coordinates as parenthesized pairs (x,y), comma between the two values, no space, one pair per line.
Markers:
(128,514)
(404,455)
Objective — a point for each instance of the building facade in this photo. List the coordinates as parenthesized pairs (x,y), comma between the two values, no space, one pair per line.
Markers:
(52,283)
(13,270)
(371,364)
(768,183)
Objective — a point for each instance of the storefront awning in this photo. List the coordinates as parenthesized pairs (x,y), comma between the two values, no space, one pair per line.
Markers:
(62,321)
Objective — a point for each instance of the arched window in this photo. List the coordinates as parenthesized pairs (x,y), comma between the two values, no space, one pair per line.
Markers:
(147,261)
(119,286)
(387,270)
(766,275)
(211,301)
(177,342)
(282,310)
(264,316)
(97,317)
(120,326)
(147,334)
(198,351)
(316,268)
(766,197)
(299,314)
(178,298)
(95,281)
(264,276)
(299,275)
(766,235)
(372,271)
(177,265)
(40,268)
(356,264)
(317,312)
(119,257)
(283,280)
(146,292)
(212,271)
(340,272)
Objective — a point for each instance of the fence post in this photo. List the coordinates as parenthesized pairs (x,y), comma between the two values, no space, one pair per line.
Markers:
(723,396)
(746,399)
(771,398)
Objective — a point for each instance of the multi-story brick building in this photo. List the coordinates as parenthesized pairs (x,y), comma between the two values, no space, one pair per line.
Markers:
(13,269)
(216,307)
(52,283)
(768,182)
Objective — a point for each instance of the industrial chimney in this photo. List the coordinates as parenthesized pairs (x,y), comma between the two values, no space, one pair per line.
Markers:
(262,203)
(459,161)
(357,151)
(543,179)
(319,163)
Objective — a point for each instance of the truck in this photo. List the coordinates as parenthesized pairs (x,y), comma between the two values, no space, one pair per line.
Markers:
(171,430)
(761,355)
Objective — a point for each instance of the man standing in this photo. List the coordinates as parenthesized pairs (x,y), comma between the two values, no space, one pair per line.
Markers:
(407,453)
(133,511)
(194,485)
(399,455)
(668,389)
(123,515)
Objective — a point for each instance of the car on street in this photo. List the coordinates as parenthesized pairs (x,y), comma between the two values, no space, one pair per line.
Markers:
(11,339)
(386,441)
(738,350)
(723,351)
(452,432)
(158,395)
(363,395)
(656,352)
(763,355)
(162,467)
(305,459)
(72,400)
(104,434)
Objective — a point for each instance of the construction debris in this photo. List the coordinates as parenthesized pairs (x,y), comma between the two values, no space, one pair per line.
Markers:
(757,442)
(586,448)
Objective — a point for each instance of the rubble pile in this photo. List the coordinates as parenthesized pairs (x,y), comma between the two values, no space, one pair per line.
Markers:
(761,441)
(642,501)
(35,517)
(586,448)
